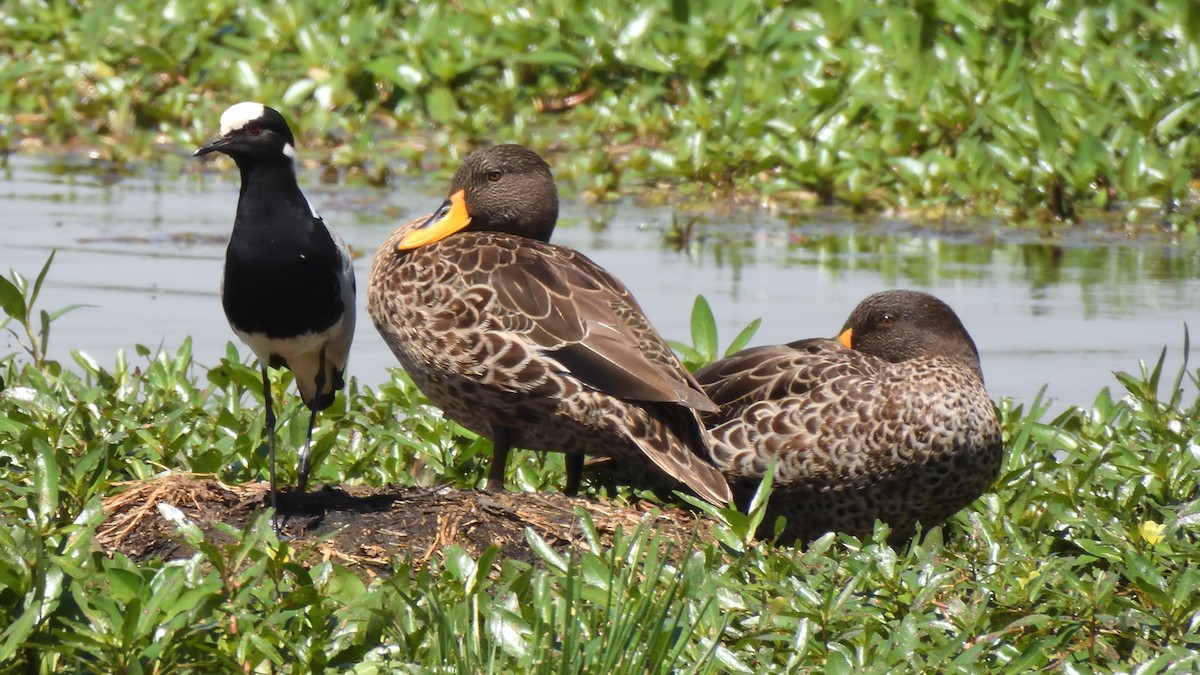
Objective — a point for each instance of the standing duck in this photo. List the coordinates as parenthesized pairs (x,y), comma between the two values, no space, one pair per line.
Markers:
(889,421)
(530,344)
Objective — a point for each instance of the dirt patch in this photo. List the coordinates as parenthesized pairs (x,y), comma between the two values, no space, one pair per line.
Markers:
(372,527)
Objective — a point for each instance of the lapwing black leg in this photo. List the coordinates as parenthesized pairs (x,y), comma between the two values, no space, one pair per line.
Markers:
(306,451)
(501,443)
(574,473)
(270,406)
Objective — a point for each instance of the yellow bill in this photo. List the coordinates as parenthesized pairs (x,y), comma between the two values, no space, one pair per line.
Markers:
(450,218)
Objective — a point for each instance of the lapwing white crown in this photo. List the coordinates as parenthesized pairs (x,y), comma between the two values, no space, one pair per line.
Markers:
(288,285)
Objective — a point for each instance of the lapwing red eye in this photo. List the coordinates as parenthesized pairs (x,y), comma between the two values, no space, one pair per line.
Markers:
(253,129)
(494,176)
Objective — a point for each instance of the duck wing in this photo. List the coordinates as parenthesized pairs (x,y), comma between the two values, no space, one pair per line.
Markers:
(586,321)
(776,372)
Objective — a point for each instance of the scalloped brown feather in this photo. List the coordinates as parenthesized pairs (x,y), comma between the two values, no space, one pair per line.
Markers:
(501,331)
(857,437)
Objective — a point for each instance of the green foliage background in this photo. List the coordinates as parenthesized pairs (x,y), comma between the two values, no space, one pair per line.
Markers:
(1023,107)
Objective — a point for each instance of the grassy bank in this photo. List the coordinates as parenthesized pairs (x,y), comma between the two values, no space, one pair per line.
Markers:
(1018,108)
(1084,556)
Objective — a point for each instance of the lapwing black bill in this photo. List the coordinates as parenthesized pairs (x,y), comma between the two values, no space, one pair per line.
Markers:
(288,285)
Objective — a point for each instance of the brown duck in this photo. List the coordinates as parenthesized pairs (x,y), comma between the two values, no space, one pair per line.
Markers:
(530,344)
(890,421)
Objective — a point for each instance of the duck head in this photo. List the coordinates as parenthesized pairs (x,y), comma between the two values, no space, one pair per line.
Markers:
(502,188)
(898,325)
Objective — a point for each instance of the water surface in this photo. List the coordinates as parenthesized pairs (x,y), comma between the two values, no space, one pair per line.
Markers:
(145,251)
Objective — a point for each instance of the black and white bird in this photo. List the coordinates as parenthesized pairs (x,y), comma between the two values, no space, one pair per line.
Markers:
(288,286)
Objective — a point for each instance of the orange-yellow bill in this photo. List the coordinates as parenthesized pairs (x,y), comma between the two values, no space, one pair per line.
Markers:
(846,338)
(456,218)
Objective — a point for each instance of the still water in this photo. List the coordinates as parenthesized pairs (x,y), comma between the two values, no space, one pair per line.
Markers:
(145,252)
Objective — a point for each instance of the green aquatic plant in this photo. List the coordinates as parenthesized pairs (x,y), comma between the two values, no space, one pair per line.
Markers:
(18,299)
(1031,111)
(704,347)
(1085,554)
(639,605)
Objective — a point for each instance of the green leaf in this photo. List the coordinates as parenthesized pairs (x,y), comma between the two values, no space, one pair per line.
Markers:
(45,484)
(507,629)
(441,105)
(458,562)
(838,661)
(704,329)
(1047,128)
(681,10)
(398,71)
(37,284)
(85,361)
(549,58)
(192,534)
(11,300)
(38,603)
(44,333)
(300,91)
(51,590)
(739,342)
(245,76)
(483,567)
(155,58)
(1104,551)
(588,529)
(691,358)
(1186,588)
(1147,578)
(125,585)
(758,504)
(544,551)
(17,633)
(647,60)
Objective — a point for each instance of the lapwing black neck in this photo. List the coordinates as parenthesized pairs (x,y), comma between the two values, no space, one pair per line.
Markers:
(269,177)
(270,198)
(281,260)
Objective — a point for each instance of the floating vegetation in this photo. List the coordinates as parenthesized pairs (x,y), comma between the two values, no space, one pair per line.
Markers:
(1022,109)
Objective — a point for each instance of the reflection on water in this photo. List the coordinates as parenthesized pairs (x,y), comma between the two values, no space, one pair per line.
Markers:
(146,251)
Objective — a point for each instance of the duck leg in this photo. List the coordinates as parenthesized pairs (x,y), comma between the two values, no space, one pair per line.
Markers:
(574,473)
(306,450)
(501,443)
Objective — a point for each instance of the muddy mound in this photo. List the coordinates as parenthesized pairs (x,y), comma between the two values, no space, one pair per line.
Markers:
(372,527)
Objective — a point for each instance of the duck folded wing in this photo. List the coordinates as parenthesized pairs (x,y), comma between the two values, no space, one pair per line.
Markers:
(586,321)
(774,372)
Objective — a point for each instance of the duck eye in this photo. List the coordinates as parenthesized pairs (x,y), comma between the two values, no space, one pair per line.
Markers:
(494,176)
(253,129)
(886,320)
